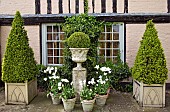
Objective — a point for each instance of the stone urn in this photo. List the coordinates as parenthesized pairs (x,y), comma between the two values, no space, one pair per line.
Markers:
(101,99)
(79,73)
(79,55)
(88,105)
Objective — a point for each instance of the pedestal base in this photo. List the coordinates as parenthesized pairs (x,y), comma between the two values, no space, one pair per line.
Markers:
(79,79)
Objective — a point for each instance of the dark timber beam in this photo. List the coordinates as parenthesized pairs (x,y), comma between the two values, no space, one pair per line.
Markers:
(114,4)
(48,6)
(168,6)
(125,6)
(37,6)
(135,18)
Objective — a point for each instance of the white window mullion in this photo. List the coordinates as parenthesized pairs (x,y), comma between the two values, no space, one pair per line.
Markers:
(121,39)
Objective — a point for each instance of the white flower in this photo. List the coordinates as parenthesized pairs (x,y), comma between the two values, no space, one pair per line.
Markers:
(59,88)
(57,77)
(84,82)
(52,68)
(110,71)
(71,83)
(54,77)
(96,84)
(64,80)
(45,71)
(49,71)
(100,77)
(50,77)
(97,72)
(105,73)
(48,68)
(106,79)
(53,74)
(45,79)
(59,84)
(97,80)
(97,67)
(92,81)
(103,69)
(89,82)
(90,89)
(55,68)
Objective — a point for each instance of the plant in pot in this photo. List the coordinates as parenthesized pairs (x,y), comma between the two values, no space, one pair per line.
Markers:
(102,85)
(68,96)
(87,97)
(150,71)
(79,44)
(19,68)
(54,83)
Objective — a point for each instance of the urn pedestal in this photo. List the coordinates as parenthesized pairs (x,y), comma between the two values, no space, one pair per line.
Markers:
(79,73)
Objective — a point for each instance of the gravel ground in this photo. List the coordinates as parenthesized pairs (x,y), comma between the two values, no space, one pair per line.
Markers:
(117,102)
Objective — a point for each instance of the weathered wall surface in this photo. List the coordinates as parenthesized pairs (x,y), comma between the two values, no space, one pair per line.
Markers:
(147,6)
(134,34)
(33,35)
(11,6)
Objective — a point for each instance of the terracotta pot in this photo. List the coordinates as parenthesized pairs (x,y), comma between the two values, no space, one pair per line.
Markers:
(88,105)
(69,104)
(101,99)
(55,98)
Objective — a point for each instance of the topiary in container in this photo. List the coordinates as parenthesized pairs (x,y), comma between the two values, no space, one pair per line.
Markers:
(149,69)
(78,40)
(19,65)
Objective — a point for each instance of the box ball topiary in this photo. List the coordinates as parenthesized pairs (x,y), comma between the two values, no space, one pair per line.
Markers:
(18,63)
(78,40)
(150,63)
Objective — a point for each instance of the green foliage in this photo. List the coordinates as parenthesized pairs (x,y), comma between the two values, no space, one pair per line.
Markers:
(86,8)
(88,25)
(78,40)
(68,92)
(120,71)
(87,94)
(40,77)
(150,64)
(18,63)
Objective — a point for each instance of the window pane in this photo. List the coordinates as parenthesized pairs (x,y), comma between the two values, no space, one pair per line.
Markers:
(109,36)
(102,44)
(50,52)
(55,36)
(49,36)
(102,36)
(61,36)
(115,52)
(55,29)
(56,45)
(116,36)
(49,28)
(108,29)
(115,44)
(56,52)
(115,28)
(49,45)
(56,60)
(50,60)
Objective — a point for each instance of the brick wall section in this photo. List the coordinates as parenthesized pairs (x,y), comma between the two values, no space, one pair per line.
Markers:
(147,6)
(11,6)
(33,35)
(133,37)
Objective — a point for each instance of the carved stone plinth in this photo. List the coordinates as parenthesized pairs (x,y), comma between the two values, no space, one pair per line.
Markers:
(149,95)
(79,79)
(20,93)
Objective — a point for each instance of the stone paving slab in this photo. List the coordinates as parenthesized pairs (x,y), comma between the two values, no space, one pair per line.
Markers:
(117,102)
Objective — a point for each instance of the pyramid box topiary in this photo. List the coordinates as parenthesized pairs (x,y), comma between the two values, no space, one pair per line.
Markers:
(150,64)
(19,68)
(149,71)
(18,64)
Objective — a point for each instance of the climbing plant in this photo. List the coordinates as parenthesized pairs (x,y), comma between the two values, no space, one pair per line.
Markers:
(88,25)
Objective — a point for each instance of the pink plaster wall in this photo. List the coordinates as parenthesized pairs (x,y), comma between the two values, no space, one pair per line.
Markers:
(33,35)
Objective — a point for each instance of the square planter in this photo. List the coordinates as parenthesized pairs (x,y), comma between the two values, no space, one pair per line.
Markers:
(20,93)
(149,95)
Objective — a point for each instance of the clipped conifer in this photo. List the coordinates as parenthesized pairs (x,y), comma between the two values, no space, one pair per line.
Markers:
(18,63)
(150,64)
